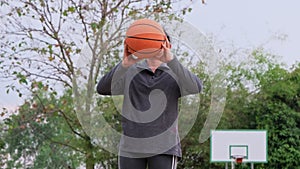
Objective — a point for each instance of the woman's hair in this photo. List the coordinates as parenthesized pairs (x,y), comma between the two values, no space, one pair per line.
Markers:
(167,35)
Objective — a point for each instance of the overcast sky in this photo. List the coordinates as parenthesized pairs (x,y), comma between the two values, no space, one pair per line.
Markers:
(250,23)
(244,23)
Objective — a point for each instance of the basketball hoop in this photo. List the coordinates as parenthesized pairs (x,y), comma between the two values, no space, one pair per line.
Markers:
(238,158)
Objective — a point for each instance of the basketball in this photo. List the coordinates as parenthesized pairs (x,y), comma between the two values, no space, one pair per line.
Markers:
(145,37)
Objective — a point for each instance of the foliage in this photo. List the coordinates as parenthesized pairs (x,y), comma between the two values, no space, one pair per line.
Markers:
(261,94)
(279,114)
(38,135)
(57,50)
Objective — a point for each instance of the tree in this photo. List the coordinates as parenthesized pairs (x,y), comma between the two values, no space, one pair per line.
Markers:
(261,94)
(39,135)
(41,43)
(276,108)
(265,95)
(3,156)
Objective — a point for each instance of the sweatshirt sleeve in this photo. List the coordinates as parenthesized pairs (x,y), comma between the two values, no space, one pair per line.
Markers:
(112,83)
(189,83)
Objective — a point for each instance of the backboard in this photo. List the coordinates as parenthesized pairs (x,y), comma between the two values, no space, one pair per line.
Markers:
(227,144)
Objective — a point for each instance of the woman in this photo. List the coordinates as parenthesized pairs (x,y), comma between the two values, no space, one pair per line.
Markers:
(151,89)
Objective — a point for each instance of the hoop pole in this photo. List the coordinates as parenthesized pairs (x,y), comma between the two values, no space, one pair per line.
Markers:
(252,165)
(226,165)
(232,165)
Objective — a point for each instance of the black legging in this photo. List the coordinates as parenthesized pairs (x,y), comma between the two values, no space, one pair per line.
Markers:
(153,162)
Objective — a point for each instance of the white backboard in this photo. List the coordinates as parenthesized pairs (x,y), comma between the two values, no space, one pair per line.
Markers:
(252,144)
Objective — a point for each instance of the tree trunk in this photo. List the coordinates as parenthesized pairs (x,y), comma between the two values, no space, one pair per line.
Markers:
(89,156)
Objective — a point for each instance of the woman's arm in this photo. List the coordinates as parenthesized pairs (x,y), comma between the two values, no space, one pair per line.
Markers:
(112,83)
(189,83)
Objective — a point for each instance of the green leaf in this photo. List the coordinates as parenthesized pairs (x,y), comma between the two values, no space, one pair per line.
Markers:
(94,26)
(50,49)
(23,80)
(71,9)
(19,12)
(65,13)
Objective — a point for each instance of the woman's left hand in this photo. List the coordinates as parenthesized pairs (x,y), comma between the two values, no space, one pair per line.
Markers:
(166,54)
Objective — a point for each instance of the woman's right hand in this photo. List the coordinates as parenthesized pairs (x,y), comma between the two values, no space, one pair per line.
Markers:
(128,59)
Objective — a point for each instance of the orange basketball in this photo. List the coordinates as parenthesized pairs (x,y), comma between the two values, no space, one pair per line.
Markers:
(144,38)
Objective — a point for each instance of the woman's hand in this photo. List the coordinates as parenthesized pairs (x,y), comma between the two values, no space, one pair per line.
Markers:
(128,58)
(166,54)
